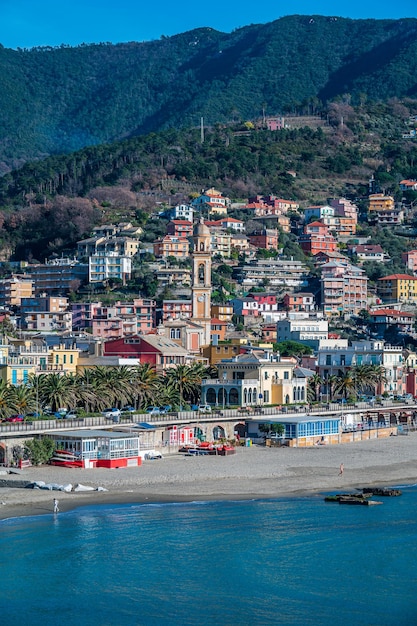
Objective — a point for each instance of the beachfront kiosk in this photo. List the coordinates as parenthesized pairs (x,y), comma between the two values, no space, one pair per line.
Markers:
(96,448)
(300,431)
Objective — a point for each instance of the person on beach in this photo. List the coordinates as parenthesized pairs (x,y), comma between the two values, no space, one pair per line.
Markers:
(56,509)
(341,469)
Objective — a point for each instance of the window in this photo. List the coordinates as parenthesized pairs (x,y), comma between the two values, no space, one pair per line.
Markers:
(286,375)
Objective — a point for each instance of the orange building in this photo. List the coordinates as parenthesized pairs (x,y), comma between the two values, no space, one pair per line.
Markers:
(171,245)
(218,329)
(317,238)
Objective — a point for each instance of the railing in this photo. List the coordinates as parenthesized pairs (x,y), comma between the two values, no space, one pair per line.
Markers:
(217,414)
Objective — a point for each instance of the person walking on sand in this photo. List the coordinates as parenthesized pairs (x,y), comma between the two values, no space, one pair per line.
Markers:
(56,509)
(341,469)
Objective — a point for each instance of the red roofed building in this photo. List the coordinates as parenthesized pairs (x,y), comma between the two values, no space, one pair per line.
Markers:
(218,330)
(180,228)
(170,245)
(212,201)
(317,238)
(398,288)
(408,185)
(226,222)
(159,351)
(384,318)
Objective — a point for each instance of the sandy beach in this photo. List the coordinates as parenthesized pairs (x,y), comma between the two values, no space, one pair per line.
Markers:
(253,472)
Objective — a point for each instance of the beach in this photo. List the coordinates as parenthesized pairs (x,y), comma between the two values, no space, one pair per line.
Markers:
(253,472)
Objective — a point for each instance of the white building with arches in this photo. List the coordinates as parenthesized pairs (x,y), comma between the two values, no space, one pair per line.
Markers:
(261,378)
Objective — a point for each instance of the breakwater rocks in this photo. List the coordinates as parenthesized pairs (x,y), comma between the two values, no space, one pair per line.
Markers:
(380,491)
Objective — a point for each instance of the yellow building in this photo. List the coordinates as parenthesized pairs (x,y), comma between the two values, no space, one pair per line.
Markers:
(380,202)
(215,354)
(19,359)
(63,359)
(253,379)
(398,288)
(222,312)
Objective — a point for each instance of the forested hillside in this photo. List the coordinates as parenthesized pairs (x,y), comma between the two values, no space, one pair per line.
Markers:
(58,100)
(47,205)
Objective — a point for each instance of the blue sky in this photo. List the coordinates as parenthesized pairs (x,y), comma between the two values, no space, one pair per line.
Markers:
(28,23)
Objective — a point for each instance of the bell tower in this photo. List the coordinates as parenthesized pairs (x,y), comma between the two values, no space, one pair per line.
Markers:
(201,279)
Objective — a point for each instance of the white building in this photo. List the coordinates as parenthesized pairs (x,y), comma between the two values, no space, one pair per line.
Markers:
(304,328)
(318,212)
(180,212)
(102,267)
(336,360)
(45,321)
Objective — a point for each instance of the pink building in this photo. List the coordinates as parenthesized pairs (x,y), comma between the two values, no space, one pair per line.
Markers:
(171,245)
(176,308)
(410,260)
(117,320)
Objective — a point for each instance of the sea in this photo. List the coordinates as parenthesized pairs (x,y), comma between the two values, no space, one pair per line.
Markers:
(298,561)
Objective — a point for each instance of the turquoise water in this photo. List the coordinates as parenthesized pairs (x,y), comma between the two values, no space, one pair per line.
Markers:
(296,561)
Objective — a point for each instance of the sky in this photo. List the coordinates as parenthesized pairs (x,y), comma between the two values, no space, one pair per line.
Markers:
(29,23)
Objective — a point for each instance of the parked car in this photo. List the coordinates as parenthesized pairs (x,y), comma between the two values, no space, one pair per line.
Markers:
(128,409)
(204,408)
(71,414)
(18,417)
(154,410)
(112,413)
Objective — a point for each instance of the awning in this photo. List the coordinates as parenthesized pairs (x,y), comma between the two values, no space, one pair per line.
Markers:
(145,426)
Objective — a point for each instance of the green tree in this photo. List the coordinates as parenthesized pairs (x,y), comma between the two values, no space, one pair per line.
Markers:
(292,348)
(39,450)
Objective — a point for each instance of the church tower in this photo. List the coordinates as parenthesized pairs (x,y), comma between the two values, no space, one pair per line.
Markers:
(201,279)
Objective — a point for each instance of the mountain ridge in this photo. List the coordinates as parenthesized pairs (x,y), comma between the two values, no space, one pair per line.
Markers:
(59,100)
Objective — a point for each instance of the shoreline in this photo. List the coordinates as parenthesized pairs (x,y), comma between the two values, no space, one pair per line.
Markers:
(252,473)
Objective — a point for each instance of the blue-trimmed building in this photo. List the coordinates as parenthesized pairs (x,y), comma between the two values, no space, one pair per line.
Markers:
(300,431)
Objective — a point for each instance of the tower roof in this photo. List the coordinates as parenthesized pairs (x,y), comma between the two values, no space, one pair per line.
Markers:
(200,229)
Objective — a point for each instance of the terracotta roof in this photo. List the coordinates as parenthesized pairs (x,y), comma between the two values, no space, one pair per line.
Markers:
(398,277)
(391,312)
(215,320)
(317,223)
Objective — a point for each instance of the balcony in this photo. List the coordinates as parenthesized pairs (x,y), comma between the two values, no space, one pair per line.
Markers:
(229,382)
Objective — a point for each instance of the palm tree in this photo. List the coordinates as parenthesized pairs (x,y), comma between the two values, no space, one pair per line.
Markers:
(6,406)
(377,377)
(331,384)
(145,385)
(23,399)
(56,390)
(346,384)
(186,379)
(315,383)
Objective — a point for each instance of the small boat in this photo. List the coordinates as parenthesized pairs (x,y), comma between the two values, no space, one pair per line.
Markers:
(65,458)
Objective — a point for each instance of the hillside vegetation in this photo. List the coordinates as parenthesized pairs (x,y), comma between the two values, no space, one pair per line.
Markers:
(60,100)
(47,205)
